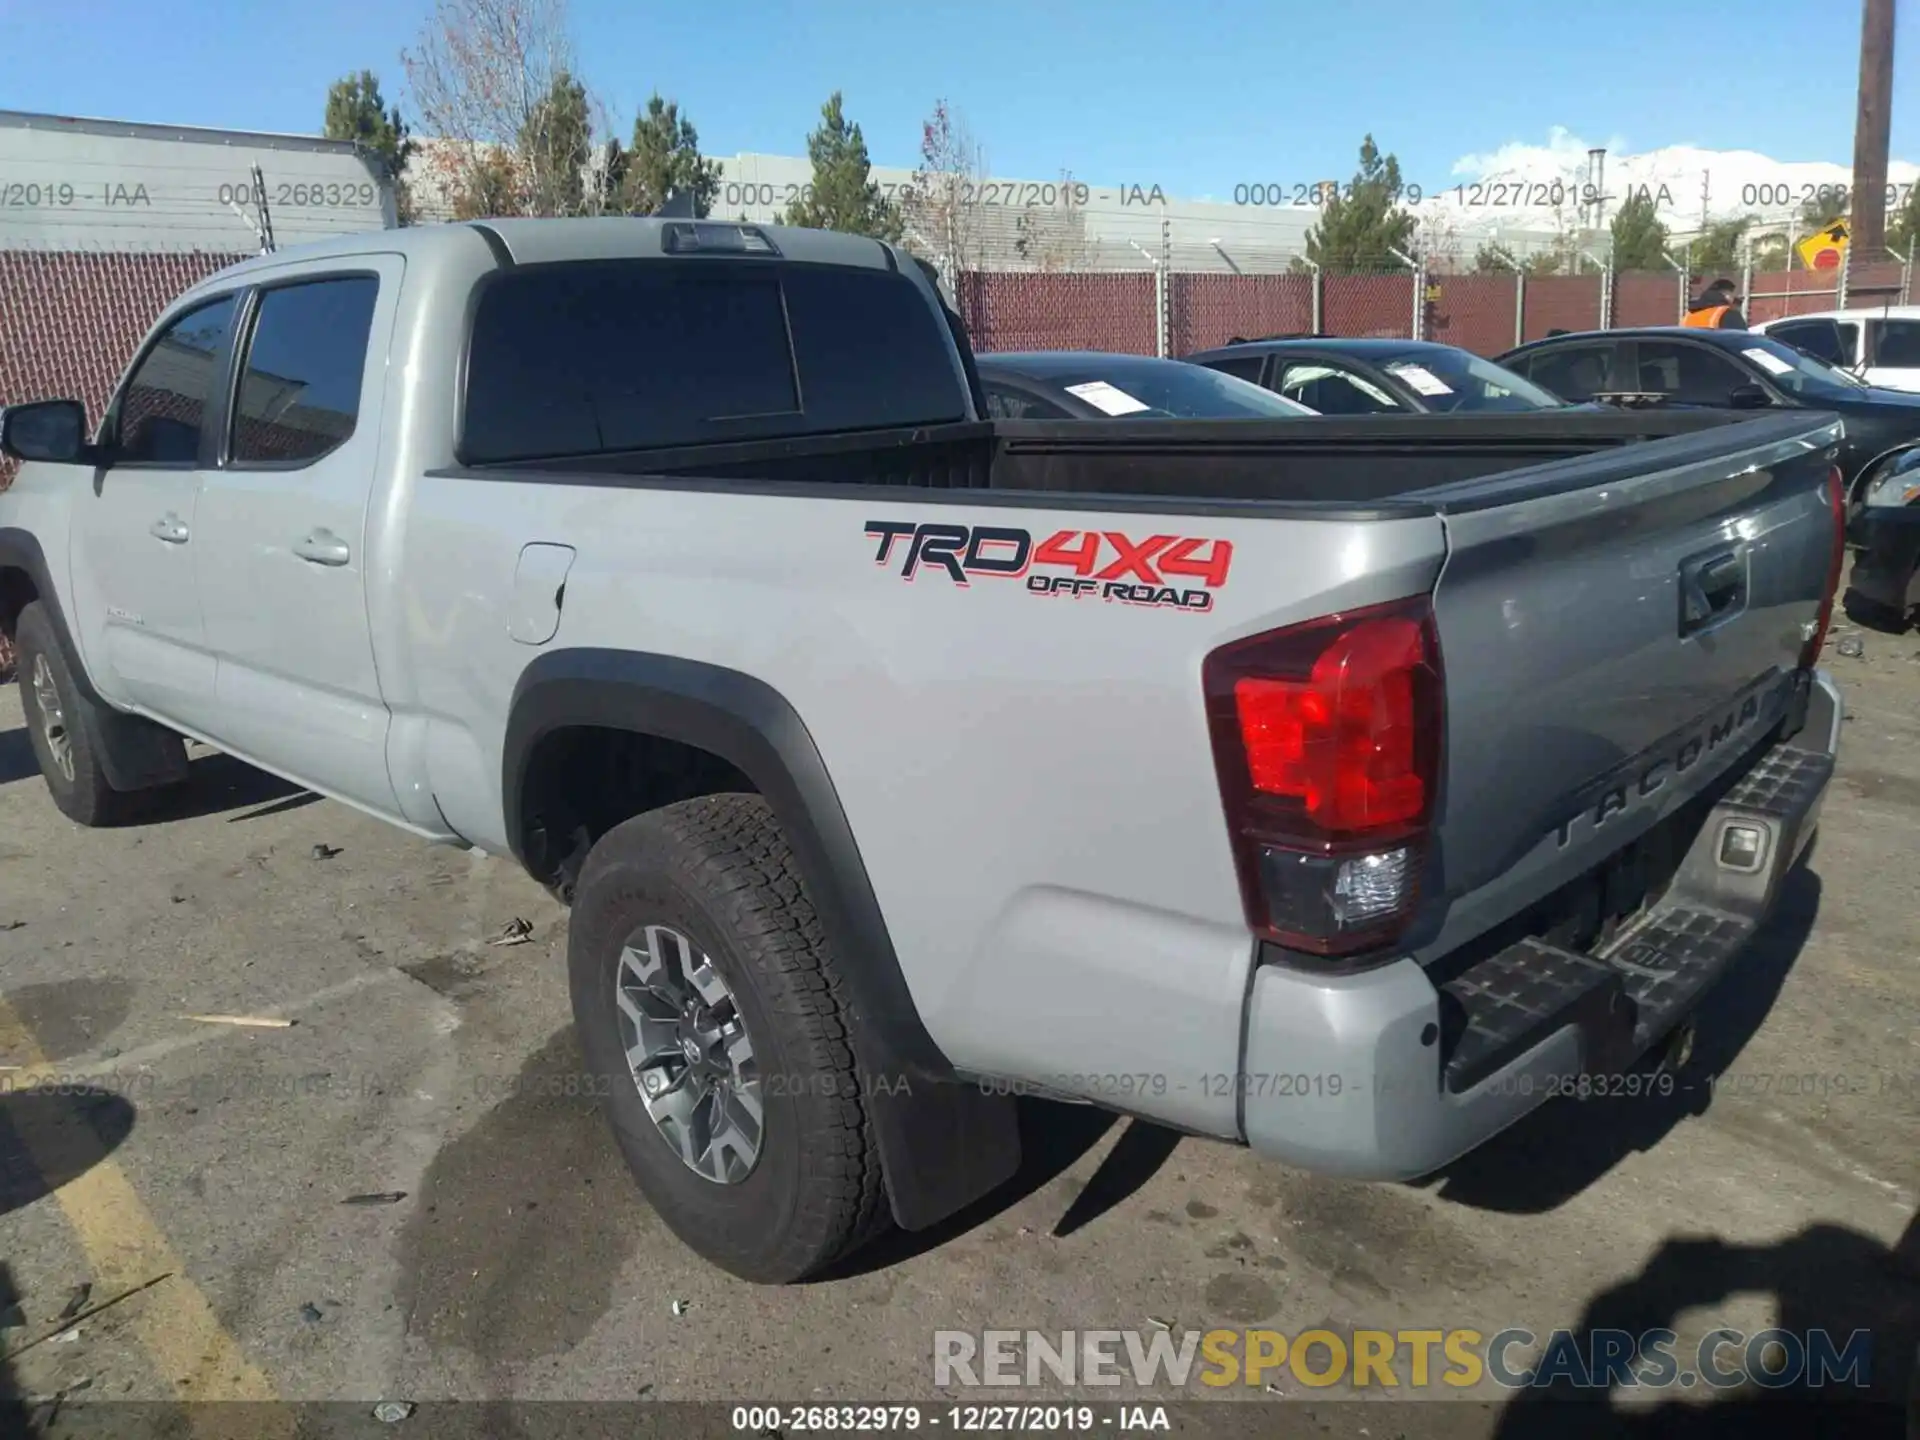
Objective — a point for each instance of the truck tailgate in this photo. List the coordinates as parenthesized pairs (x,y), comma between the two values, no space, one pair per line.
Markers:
(1614,636)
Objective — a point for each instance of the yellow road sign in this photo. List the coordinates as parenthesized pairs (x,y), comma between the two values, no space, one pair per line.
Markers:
(1823,249)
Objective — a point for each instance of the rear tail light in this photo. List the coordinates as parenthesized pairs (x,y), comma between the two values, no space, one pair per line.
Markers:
(1326,737)
(1836,494)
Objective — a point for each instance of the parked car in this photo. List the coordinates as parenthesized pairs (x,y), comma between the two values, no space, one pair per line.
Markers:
(1378,377)
(1880,591)
(1090,385)
(1736,369)
(1879,344)
(1334,787)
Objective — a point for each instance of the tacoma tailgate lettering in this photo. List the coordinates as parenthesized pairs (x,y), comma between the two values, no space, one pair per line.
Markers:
(1136,572)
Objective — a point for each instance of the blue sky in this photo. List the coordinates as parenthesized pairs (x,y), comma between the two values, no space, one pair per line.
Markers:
(1194,97)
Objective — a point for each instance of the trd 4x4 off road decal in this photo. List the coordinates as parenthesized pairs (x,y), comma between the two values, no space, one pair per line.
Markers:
(1076,563)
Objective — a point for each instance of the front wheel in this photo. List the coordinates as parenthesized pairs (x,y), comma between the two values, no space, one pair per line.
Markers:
(710,1019)
(62,725)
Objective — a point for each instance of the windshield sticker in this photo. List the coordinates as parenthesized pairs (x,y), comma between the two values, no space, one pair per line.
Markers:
(1422,379)
(1768,361)
(1102,396)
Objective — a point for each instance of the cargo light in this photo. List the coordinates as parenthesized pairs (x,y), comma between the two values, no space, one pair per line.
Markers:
(685,238)
(1835,493)
(1326,740)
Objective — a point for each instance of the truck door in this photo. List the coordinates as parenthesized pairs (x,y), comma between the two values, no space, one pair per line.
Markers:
(282,525)
(135,530)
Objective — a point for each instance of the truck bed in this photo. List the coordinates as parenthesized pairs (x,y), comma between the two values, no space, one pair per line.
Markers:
(1373,462)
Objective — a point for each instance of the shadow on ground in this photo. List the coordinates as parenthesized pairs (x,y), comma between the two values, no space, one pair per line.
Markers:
(47,1138)
(1546,1159)
(1826,1278)
(1053,1137)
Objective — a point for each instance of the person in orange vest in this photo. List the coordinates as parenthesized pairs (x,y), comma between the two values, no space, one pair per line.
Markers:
(1715,310)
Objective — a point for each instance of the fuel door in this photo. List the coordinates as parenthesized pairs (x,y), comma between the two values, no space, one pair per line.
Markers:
(539,590)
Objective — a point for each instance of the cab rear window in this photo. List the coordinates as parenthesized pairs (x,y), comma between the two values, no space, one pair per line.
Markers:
(604,356)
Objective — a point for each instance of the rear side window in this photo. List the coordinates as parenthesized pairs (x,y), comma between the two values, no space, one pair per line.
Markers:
(583,359)
(1576,372)
(1247,368)
(1899,346)
(300,388)
(165,402)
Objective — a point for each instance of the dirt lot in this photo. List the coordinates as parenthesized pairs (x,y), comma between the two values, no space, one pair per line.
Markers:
(520,1262)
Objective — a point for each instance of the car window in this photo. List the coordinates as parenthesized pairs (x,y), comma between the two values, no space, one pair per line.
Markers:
(589,357)
(1688,374)
(165,401)
(1005,404)
(1899,345)
(1575,373)
(1334,390)
(1819,338)
(1153,389)
(1244,367)
(1459,381)
(300,387)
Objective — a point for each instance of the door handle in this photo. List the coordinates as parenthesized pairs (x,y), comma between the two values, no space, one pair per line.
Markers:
(323,547)
(169,528)
(1711,587)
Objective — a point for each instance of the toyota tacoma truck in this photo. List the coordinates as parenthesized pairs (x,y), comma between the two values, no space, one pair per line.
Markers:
(1329,786)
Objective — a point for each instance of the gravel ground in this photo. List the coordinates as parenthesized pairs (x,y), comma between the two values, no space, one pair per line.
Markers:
(521,1264)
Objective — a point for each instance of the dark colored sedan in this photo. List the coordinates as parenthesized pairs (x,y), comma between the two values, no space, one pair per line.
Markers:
(1378,377)
(1089,385)
(1887,530)
(1733,369)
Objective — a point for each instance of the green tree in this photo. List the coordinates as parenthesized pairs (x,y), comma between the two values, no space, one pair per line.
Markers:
(1721,247)
(664,159)
(1639,239)
(1903,224)
(357,111)
(843,195)
(556,142)
(488,187)
(1493,258)
(1362,224)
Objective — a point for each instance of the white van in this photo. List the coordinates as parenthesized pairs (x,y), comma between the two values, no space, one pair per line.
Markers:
(1880,344)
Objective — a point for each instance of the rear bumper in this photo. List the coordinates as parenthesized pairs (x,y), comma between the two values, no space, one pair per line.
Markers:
(1888,538)
(1383,1075)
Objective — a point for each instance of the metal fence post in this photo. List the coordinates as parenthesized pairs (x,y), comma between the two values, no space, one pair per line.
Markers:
(1606,297)
(1906,276)
(1519,307)
(1319,296)
(1164,274)
(1846,268)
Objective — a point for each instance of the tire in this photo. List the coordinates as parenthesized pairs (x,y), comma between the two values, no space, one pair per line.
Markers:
(718,871)
(64,729)
(1872,615)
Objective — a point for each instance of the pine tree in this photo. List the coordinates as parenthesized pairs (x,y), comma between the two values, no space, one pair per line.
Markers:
(843,195)
(1720,247)
(357,111)
(1362,224)
(664,159)
(556,142)
(1903,224)
(1639,239)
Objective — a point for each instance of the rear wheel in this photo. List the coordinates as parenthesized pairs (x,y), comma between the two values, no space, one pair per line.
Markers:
(709,1015)
(62,725)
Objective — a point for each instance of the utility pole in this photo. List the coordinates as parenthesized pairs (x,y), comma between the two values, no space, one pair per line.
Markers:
(1871,131)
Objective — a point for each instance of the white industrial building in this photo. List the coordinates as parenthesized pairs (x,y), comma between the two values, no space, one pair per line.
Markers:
(70,184)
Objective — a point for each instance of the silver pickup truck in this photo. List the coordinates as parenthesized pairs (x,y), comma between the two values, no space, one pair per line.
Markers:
(1327,786)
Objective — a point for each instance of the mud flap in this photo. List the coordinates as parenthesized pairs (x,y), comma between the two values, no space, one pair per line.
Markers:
(135,753)
(943,1144)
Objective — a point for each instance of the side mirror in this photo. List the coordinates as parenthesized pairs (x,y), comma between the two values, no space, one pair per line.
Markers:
(1749,397)
(52,430)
